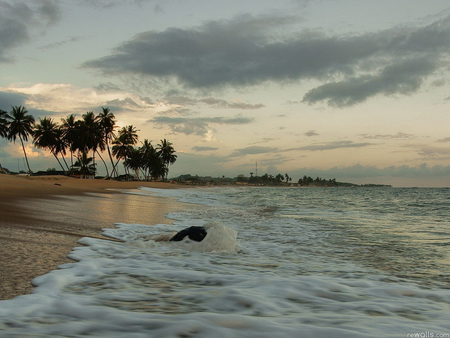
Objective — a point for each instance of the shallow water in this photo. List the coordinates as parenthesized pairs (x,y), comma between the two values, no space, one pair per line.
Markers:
(365,262)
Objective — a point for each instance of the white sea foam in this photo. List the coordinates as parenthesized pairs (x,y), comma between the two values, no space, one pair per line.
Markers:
(265,275)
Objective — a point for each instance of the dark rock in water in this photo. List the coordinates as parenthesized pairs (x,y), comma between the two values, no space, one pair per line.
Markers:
(194,233)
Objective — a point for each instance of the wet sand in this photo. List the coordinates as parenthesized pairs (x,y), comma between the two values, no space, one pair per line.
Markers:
(42,218)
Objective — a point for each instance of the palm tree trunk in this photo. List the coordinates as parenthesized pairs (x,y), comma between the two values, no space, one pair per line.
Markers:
(106,167)
(115,168)
(59,162)
(65,162)
(25,153)
(110,158)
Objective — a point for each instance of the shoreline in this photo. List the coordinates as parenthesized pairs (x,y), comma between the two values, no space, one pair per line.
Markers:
(43,217)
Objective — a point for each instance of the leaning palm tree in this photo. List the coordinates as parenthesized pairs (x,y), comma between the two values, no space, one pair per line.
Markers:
(166,153)
(20,125)
(47,135)
(121,151)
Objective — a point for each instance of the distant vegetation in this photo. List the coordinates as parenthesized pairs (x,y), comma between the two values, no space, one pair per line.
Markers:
(266,180)
(76,143)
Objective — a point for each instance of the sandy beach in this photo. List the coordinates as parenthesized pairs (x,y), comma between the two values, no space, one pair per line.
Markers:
(42,218)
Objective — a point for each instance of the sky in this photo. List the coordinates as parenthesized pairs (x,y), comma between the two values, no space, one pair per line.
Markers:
(356,90)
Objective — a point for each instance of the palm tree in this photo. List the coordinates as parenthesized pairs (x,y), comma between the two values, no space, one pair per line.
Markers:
(149,157)
(158,168)
(21,125)
(166,153)
(47,135)
(84,166)
(134,161)
(90,134)
(69,134)
(4,123)
(124,143)
(107,123)
(129,134)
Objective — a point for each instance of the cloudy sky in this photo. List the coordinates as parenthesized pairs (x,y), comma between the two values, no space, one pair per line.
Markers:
(356,90)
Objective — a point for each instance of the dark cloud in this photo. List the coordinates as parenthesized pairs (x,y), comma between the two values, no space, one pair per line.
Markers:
(104,4)
(9,99)
(398,136)
(332,146)
(311,133)
(264,140)
(197,125)
(405,77)
(219,103)
(444,140)
(61,43)
(234,105)
(253,150)
(18,18)
(107,87)
(48,11)
(127,102)
(251,50)
(198,148)
(434,153)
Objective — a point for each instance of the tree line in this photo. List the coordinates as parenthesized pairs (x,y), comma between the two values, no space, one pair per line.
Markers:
(84,139)
(319,182)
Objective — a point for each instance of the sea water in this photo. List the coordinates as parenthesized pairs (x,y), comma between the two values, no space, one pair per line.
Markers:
(279,262)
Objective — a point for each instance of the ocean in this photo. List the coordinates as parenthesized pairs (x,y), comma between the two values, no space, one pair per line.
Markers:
(277,262)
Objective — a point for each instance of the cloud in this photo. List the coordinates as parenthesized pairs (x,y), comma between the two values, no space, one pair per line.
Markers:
(444,140)
(398,136)
(107,87)
(264,140)
(434,153)
(250,50)
(127,103)
(197,125)
(311,133)
(9,99)
(405,77)
(60,43)
(198,148)
(234,105)
(105,4)
(219,103)
(68,99)
(332,146)
(253,150)
(17,20)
